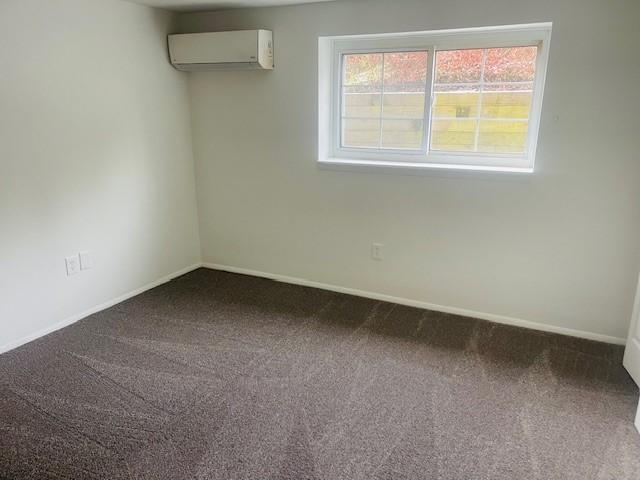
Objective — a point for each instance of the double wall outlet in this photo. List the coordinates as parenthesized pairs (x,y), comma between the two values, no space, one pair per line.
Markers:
(86,260)
(80,261)
(73,264)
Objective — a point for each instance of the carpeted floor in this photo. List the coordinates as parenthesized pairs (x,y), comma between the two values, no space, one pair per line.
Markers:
(223,376)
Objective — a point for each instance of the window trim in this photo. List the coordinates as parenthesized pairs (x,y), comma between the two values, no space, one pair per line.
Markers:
(330,54)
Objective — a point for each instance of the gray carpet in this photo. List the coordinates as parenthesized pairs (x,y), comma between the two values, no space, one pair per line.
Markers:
(223,376)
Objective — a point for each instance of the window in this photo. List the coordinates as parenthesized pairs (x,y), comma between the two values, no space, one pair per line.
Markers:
(468,99)
(383,100)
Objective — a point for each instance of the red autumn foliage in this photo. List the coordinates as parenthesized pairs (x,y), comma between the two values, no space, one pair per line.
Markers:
(516,64)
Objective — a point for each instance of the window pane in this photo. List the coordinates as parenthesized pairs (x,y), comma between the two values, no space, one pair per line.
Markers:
(506,104)
(405,78)
(455,104)
(357,132)
(457,67)
(361,105)
(383,100)
(363,70)
(362,100)
(404,105)
(402,134)
(492,88)
(453,135)
(517,64)
(502,136)
(405,71)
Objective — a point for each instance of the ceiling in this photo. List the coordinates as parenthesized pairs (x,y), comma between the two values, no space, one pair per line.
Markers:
(203,5)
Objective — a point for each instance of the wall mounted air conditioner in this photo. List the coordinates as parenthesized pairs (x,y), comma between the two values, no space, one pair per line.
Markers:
(243,49)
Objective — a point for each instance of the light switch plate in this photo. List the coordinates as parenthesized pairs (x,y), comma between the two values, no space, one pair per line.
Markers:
(73,265)
(86,260)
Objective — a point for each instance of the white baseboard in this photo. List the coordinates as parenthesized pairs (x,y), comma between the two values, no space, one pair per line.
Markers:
(420,304)
(309,283)
(103,306)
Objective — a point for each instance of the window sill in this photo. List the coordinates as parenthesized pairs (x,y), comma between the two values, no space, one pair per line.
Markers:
(411,167)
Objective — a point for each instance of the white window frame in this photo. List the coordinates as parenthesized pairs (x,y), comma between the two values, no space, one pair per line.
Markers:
(330,54)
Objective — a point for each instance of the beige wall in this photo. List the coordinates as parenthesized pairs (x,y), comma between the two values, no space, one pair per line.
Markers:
(559,247)
(95,154)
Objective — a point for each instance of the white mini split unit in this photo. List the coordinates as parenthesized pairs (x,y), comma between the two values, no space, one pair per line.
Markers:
(244,49)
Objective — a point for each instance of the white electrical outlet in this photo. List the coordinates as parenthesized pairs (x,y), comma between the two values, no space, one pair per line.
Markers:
(376,251)
(73,265)
(86,260)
